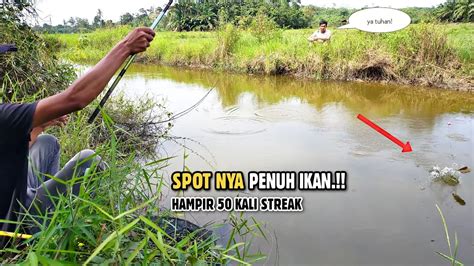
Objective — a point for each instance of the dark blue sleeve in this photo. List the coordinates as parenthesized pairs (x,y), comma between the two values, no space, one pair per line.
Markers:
(17,119)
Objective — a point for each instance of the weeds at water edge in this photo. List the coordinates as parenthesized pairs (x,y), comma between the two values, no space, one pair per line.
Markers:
(452,253)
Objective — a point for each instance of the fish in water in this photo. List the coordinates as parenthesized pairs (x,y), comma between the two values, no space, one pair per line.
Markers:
(464,170)
(459,199)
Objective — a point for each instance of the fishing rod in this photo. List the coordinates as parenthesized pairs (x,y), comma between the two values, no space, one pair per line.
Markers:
(15,235)
(125,68)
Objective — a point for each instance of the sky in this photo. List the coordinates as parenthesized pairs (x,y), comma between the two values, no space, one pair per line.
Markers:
(55,11)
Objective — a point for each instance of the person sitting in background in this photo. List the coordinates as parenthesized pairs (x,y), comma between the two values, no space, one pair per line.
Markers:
(322,34)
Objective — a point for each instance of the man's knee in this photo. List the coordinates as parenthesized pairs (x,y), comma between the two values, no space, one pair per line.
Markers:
(86,155)
(90,157)
(47,141)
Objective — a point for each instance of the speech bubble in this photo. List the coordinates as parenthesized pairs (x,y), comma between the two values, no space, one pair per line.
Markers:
(380,19)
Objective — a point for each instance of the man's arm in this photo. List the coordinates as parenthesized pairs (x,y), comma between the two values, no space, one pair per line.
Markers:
(313,37)
(84,90)
(34,134)
(320,37)
(325,38)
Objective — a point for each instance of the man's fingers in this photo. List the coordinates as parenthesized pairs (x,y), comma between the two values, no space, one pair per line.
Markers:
(149,37)
(139,39)
(148,31)
(60,121)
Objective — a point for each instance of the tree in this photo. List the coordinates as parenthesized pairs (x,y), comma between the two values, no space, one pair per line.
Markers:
(464,11)
(98,21)
(71,22)
(142,18)
(208,14)
(456,11)
(109,24)
(20,4)
(47,28)
(82,24)
(126,18)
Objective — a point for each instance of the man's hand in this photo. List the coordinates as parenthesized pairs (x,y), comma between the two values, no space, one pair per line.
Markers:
(84,90)
(139,40)
(60,122)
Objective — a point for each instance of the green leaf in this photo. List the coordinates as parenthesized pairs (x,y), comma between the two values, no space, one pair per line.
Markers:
(235,259)
(32,259)
(146,203)
(136,251)
(111,237)
(154,226)
(449,258)
(445,229)
(98,208)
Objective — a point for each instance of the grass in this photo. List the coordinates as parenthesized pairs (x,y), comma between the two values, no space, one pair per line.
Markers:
(115,219)
(452,258)
(461,36)
(434,55)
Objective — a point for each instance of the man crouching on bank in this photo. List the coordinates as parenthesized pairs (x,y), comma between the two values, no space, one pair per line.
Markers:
(27,157)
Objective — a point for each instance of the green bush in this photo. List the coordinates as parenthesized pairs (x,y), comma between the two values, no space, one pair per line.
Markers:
(34,70)
(264,28)
(84,41)
(227,38)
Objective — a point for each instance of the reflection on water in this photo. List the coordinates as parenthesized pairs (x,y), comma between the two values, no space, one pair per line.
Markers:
(375,100)
(388,214)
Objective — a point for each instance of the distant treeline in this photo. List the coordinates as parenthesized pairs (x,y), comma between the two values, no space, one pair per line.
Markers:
(206,15)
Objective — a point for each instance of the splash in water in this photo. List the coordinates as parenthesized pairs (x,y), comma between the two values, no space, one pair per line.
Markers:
(447,175)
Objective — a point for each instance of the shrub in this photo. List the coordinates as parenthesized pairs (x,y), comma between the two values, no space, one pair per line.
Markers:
(264,28)
(84,41)
(227,38)
(33,70)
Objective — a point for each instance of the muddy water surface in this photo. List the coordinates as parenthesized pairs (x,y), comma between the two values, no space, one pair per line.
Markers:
(386,217)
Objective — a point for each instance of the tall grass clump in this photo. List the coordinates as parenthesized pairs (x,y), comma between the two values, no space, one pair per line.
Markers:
(117,218)
(461,36)
(88,48)
(136,125)
(422,53)
(264,28)
(227,39)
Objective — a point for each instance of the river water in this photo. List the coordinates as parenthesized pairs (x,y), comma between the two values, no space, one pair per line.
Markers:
(387,216)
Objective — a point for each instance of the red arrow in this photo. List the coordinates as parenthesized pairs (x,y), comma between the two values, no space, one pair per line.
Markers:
(406,147)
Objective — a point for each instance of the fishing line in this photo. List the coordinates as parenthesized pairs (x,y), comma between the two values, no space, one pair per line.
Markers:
(186,111)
